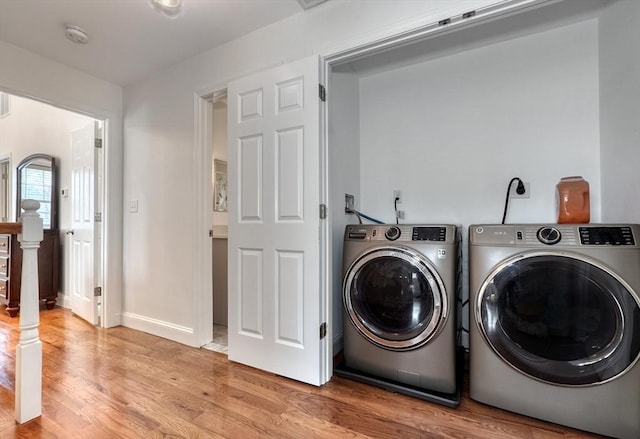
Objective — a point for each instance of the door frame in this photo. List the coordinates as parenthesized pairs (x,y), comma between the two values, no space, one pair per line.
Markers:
(5,161)
(110,196)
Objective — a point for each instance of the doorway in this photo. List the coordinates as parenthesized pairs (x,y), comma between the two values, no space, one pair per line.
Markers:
(34,127)
(219,223)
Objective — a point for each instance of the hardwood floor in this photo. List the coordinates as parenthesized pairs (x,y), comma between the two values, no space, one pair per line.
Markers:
(121,383)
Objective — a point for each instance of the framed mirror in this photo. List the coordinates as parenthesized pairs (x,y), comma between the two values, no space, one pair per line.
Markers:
(220,186)
(36,179)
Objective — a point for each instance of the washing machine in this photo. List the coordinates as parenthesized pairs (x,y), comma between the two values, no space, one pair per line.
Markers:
(555,323)
(399,313)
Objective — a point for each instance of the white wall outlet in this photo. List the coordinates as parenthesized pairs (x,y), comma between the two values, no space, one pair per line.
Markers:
(349,201)
(397,195)
(514,193)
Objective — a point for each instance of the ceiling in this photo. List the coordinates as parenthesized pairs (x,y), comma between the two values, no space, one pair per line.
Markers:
(128,39)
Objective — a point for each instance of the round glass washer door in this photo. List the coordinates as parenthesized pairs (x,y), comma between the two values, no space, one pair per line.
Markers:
(560,319)
(394,297)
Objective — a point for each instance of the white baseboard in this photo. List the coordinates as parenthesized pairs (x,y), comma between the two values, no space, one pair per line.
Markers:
(171,331)
(63,300)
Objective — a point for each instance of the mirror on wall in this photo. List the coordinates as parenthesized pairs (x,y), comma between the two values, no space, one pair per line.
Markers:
(36,180)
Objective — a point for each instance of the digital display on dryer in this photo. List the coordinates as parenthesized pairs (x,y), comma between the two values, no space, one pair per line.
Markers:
(606,236)
(429,234)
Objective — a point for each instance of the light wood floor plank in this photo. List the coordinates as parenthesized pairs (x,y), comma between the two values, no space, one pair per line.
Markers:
(122,383)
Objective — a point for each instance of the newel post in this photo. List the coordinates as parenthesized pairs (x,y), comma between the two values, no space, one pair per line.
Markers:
(29,349)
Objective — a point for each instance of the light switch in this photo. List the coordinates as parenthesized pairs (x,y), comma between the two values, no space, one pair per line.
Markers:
(133,206)
(64,192)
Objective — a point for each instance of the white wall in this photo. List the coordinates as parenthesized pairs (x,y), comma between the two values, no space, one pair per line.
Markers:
(161,275)
(27,74)
(451,132)
(620,111)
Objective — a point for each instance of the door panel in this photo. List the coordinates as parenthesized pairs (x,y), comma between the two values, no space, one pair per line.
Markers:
(250,178)
(83,301)
(289,289)
(250,294)
(290,159)
(274,253)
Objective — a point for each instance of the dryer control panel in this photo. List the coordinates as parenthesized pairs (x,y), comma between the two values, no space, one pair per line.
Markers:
(602,235)
(554,235)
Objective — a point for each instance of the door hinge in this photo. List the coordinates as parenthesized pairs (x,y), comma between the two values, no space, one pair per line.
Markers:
(97,291)
(323,330)
(469,14)
(323,211)
(210,233)
(98,143)
(97,217)
(323,93)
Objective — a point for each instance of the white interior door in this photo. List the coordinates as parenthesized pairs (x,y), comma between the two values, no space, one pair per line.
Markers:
(83,300)
(274,259)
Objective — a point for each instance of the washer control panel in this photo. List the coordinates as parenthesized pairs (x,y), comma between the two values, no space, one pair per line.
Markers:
(401,232)
(429,234)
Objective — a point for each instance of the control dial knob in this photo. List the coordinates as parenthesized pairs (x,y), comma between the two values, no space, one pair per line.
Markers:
(392,233)
(549,235)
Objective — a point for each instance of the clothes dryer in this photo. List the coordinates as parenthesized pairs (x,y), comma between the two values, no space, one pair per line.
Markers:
(555,323)
(399,294)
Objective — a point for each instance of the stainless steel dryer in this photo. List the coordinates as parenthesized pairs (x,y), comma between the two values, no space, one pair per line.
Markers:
(399,309)
(555,323)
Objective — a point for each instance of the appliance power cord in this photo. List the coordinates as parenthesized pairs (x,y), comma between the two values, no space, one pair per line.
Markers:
(520,189)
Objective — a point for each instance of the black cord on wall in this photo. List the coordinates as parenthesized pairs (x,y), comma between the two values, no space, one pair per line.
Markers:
(520,189)
(395,208)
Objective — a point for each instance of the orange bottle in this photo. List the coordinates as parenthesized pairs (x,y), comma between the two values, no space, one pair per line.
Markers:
(572,194)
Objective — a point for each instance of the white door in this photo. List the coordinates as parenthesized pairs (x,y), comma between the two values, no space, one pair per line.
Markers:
(274,253)
(83,300)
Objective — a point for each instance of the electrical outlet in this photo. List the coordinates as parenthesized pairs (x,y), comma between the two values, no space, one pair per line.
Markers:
(397,195)
(349,201)
(515,194)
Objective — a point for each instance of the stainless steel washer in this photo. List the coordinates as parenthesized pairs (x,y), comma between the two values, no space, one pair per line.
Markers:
(555,323)
(399,292)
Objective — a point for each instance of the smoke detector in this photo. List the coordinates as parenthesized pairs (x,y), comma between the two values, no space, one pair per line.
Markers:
(308,4)
(77,34)
(168,8)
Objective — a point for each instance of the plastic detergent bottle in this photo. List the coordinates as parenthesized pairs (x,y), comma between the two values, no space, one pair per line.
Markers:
(572,194)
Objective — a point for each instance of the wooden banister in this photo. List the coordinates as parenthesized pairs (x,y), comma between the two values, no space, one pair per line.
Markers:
(10,228)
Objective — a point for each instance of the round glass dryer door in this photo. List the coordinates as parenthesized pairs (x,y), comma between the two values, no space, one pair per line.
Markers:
(560,319)
(395,298)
